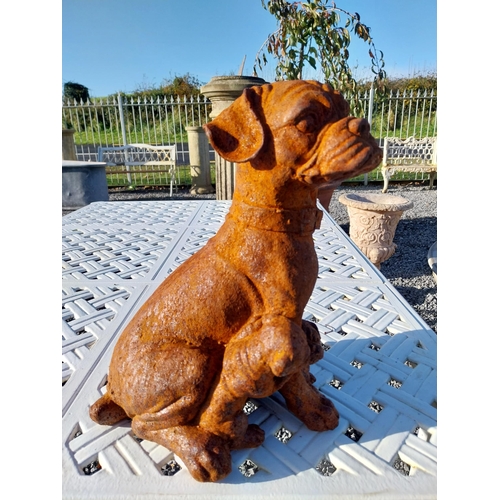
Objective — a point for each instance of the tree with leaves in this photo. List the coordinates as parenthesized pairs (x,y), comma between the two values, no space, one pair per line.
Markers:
(315,31)
(186,85)
(76,91)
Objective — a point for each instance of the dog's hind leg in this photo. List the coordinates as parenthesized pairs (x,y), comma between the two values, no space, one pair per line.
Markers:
(206,455)
(106,412)
(204,448)
(165,391)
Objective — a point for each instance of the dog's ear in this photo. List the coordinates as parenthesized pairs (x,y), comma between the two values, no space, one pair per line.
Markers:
(237,133)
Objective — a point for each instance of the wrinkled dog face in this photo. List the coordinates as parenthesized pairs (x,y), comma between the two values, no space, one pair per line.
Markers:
(317,138)
(303,126)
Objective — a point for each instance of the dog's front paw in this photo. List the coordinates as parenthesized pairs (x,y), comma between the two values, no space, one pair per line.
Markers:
(274,347)
(286,345)
(207,457)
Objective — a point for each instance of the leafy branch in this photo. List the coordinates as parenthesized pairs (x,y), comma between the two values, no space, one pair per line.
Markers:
(310,32)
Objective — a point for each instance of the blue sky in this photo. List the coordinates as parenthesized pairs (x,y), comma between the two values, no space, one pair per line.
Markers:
(120,45)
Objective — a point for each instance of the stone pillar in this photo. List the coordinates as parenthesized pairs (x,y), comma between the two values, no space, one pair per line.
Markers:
(222,91)
(68,145)
(199,160)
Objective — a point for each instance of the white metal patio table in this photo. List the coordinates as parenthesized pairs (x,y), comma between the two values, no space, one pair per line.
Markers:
(379,369)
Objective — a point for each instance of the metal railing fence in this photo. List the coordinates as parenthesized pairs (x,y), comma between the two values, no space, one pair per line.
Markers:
(119,120)
(402,114)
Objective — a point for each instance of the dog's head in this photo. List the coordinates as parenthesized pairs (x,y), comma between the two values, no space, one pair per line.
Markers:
(301,126)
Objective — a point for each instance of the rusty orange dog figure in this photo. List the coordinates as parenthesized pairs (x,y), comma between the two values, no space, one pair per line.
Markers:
(227,324)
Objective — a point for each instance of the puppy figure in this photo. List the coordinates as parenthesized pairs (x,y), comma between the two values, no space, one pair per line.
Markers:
(227,324)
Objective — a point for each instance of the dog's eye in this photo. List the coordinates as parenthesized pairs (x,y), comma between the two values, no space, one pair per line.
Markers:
(307,124)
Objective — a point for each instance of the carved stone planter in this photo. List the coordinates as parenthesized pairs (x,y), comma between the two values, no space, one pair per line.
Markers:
(373,221)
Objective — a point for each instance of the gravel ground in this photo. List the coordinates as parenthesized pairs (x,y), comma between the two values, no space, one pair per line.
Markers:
(407,270)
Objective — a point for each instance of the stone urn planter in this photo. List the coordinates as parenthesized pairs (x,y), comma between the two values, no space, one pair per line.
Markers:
(373,220)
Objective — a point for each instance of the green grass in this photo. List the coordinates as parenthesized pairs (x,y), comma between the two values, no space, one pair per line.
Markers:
(409,127)
(184,178)
(376,175)
(154,178)
(114,137)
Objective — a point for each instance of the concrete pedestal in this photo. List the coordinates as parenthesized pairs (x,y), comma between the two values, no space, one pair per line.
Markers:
(199,160)
(68,145)
(222,92)
(83,182)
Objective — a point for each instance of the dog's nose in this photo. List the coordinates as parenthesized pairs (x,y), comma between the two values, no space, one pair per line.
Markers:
(359,126)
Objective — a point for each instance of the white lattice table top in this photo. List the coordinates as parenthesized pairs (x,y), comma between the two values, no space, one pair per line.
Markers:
(379,369)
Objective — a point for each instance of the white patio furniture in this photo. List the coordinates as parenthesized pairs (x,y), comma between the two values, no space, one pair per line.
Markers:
(379,368)
(409,155)
(141,159)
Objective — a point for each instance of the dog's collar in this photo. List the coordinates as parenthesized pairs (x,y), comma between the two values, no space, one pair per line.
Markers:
(303,221)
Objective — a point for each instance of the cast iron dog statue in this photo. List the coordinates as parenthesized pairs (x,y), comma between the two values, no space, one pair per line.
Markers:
(227,324)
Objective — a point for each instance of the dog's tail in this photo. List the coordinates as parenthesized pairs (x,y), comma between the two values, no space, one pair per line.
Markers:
(106,412)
